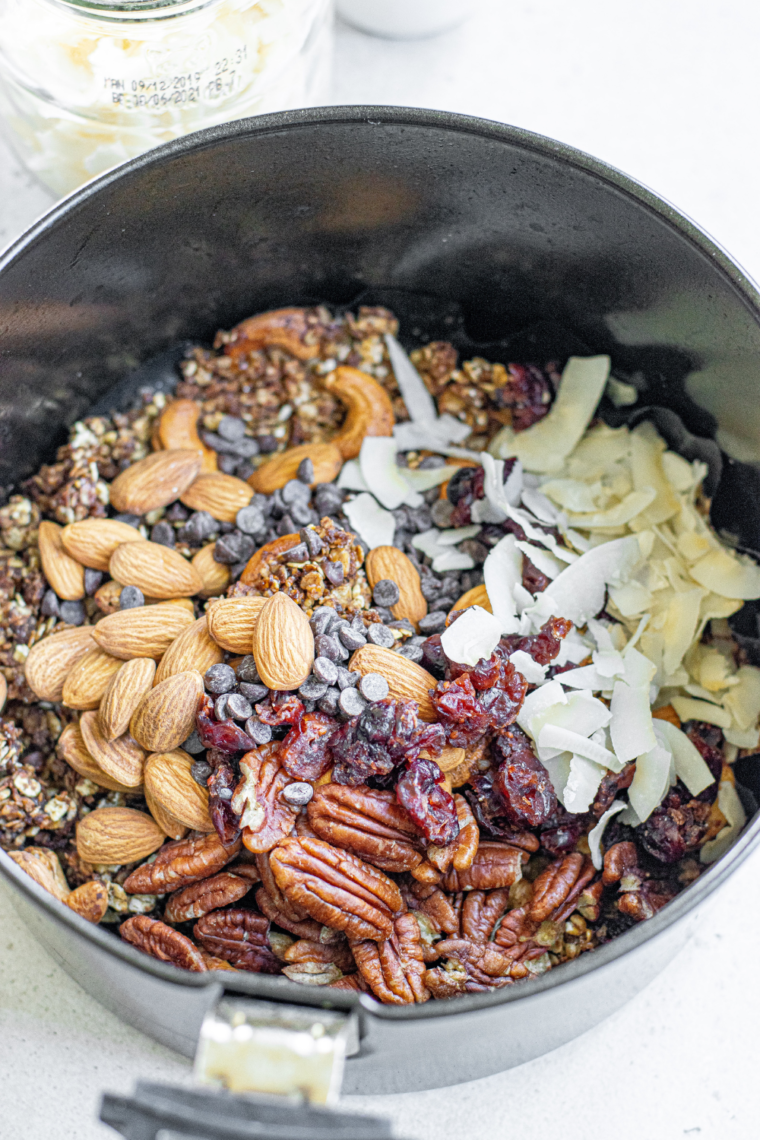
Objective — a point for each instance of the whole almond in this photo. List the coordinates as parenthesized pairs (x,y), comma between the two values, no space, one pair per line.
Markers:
(155,481)
(144,631)
(168,824)
(157,570)
(477,596)
(51,659)
(44,866)
(231,622)
(271,549)
(166,715)
(115,835)
(178,428)
(276,472)
(123,759)
(214,575)
(90,900)
(72,748)
(125,691)
(169,781)
(89,679)
(283,644)
(64,573)
(405,679)
(389,562)
(195,648)
(93,541)
(221,495)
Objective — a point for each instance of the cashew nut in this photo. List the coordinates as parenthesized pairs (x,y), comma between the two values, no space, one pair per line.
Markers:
(279,328)
(370,411)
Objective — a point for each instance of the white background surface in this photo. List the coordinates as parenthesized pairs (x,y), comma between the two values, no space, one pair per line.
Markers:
(667,91)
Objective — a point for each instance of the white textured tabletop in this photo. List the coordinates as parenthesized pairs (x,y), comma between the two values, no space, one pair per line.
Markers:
(665,90)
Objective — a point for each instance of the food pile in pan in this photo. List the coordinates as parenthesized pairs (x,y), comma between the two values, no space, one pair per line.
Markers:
(390,674)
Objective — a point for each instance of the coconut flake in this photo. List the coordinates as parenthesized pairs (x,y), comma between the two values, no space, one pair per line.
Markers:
(728,575)
(452,559)
(596,834)
(631,728)
(542,559)
(573,494)
(732,808)
(544,446)
(565,740)
(454,535)
(749,738)
(538,702)
(651,781)
(471,637)
(377,460)
(502,571)
(540,506)
(578,592)
(582,784)
(424,479)
(533,673)
(690,709)
(620,514)
(419,403)
(647,448)
(587,677)
(371,522)
(690,767)
(578,711)
(559,773)
(351,478)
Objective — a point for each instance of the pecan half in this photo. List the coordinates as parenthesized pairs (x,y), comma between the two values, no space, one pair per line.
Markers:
(369,823)
(394,969)
(487,966)
(618,860)
(447,981)
(461,853)
(272,902)
(434,904)
(210,894)
(264,816)
(495,865)
(240,937)
(560,884)
(161,941)
(317,964)
(336,888)
(481,911)
(181,863)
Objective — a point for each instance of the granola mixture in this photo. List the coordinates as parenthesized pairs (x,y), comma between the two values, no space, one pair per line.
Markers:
(380,735)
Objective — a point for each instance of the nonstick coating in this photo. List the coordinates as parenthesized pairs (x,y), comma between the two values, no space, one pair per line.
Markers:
(513,245)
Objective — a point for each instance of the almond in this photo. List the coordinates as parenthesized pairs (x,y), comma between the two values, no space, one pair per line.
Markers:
(144,631)
(283,644)
(155,481)
(44,867)
(125,691)
(51,659)
(116,835)
(123,759)
(88,680)
(214,575)
(93,541)
(89,901)
(221,495)
(168,824)
(184,603)
(278,471)
(64,573)
(3,692)
(178,428)
(477,596)
(369,408)
(231,622)
(72,748)
(449,759)
(405,679)
(157,570)
(169,781)
(389,562)
(195,648)
(166,715)
(268,550)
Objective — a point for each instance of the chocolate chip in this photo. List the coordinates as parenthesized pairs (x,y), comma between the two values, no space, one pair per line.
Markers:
(305,471)
(219,679)
(441,513)
(250,519)
(92,580)
(247,671)
(327,646)
(231,428)
(321,619)
(329,702)
(238,707)
(351,702)
(401,623)
(297,553)
(220,706)
(312,541)
(227,464)
(434,622)
(177,513)
(333,571)
(130,520)
(295,491)
(312,689)
(163,533)
(374,687)
(244,470)
(411,652)
(347,678)
(325,670)
(351,639)
(193,744)
(199,527)
(235,547)
(302,514)
(383,614)
(386,593)
(327,498)
(50,604)
(476,550)
(258,732)
(253,692)
(285,525)
(130,598)
(297,794)
(72,612)
(380,635)
(200,771)
(267,444)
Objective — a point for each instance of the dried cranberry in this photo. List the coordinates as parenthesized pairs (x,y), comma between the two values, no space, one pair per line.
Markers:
(483,676)
(504,701)
(611,784)
(429,804)
(676,827)
(562,830)
(221,785)
(460,711)
(464,488)
(524,783)
(543,646)
(433,656)
(386,733)
(532,578)
(304,754)
(222,734)
(280,708)
(527,393)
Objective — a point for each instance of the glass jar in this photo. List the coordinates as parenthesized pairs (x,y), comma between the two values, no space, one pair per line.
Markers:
(86,85)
